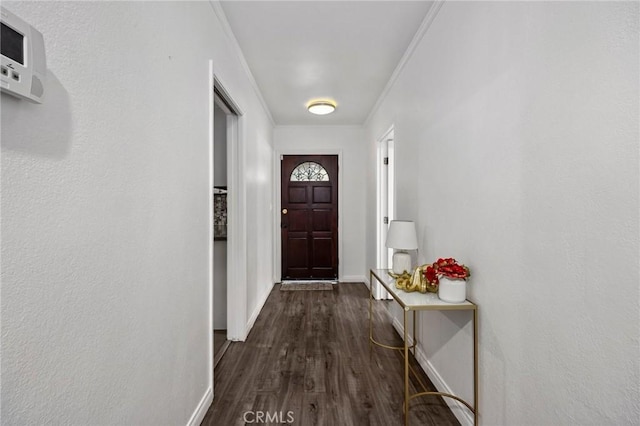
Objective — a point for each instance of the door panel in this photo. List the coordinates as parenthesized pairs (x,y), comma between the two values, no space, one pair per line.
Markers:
(321,194)
(298,256)
(309,217)
(297,195)
(322,220)
(297,221)
(322,248)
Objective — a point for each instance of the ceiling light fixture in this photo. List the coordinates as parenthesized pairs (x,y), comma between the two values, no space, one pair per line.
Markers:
(321,107)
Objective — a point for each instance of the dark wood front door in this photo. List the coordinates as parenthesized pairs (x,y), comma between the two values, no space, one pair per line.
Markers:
(309,217)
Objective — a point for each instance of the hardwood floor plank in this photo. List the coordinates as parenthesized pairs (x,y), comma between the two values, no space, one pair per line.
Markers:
(309,354)
(314,373)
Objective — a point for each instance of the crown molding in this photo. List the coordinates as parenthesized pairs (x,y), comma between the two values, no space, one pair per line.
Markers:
(417,38)
(217,9)
(319,126)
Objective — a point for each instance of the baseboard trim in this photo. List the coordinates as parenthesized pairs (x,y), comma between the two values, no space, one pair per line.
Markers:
(400,329)
(256,312)
(353,279)
(201,409)
(459,410)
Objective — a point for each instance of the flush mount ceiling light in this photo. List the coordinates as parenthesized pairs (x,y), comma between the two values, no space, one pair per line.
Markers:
(321,107)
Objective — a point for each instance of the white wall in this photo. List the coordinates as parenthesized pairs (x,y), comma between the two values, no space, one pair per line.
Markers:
(516,130)
(348,143)
(106,214)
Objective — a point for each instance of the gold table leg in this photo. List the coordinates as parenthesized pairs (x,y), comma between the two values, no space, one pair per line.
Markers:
(405,348)
(415,339)
(475,367)
(370,312)
(406,370)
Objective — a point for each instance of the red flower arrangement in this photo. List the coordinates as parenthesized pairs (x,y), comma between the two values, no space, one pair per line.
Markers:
(445,268)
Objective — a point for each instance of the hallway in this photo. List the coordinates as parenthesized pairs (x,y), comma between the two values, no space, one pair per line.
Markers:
(515,151)
(308,357)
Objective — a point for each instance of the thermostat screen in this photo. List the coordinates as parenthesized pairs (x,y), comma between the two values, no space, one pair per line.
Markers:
(12,45)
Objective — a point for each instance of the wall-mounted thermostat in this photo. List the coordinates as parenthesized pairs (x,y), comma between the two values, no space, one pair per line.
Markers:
(22,59)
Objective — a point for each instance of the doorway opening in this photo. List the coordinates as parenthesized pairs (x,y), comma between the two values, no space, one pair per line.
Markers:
(386,204)
(309,217)
(225,117)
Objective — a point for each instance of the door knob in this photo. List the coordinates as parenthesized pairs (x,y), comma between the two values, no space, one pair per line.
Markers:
(285,211)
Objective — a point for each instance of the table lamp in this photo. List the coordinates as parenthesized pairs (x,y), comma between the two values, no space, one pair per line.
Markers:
(402,237)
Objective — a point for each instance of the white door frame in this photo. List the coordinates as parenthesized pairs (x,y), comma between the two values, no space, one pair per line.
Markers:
(236,231)
(277,202)
(385,202)
(236,219)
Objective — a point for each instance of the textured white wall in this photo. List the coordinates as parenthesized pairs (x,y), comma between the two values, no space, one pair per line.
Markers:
(259,211)
(105,214)
(332,139)
(516,128)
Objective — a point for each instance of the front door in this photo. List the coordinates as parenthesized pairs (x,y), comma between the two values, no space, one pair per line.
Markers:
(309,217)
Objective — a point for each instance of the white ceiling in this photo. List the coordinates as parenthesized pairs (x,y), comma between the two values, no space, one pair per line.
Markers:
(342,50)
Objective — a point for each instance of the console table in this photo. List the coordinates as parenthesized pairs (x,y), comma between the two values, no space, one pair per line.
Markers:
(414,302)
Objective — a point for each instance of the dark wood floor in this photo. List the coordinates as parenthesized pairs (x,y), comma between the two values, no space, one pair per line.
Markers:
(309,354)
(220,345)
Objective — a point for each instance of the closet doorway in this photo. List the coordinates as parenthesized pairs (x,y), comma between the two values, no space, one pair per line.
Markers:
(386,197)
(225,115)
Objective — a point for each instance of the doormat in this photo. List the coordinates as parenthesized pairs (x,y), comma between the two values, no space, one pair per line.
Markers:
(306,285)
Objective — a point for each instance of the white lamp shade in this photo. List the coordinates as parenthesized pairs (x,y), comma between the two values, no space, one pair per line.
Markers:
(402,235)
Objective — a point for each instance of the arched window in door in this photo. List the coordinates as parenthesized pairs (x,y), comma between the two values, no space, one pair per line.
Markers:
(309,172)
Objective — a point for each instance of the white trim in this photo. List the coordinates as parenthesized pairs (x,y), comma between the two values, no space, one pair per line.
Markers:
(277,199)
(461,412)
(318,126)
(202,408)
(256,311)
(236,214)
(210,233)
(400,329)
(226,98)
(276,243)
(354,279)
(236,238)
(222,17)
(422,30)
(385,202)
